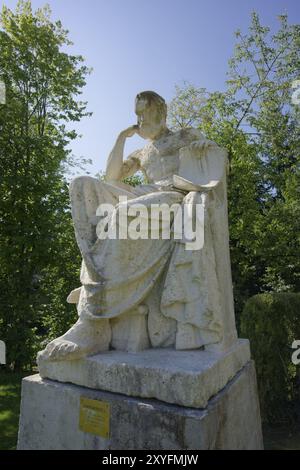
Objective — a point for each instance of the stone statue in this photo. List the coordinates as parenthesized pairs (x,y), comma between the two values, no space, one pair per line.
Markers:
(152,293)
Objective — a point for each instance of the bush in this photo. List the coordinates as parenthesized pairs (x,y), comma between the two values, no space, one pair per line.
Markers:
(272,322)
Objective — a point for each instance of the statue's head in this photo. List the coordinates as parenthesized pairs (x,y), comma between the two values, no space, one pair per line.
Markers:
(151,110)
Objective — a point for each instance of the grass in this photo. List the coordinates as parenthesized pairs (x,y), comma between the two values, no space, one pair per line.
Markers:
(282,437)
(10,395)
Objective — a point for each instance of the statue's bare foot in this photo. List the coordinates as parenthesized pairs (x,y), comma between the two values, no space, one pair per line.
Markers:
(86,337)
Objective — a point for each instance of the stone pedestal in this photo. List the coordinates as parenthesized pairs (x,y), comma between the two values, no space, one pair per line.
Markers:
(187,378)
(155,399)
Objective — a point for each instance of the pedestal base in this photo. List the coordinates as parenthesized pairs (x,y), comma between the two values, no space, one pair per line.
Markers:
(187,378)
(67,417)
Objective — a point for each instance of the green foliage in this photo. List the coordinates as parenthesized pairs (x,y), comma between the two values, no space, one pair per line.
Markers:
(255,120)
(133,180)
(39,260)
(10,396)
(272,323)
(188,108)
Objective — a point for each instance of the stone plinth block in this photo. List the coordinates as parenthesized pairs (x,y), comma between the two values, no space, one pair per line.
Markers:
(187,378)
(53,414)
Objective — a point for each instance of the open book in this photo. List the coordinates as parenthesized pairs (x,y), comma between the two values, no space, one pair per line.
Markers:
(186,185)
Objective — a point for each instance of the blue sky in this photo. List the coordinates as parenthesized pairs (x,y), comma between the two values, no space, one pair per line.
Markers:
(136,45)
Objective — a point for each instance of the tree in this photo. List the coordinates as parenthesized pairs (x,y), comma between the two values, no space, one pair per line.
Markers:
(262,73)
(258,124)
(39,261)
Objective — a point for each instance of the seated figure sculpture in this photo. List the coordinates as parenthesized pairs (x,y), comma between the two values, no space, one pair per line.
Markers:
(152,293)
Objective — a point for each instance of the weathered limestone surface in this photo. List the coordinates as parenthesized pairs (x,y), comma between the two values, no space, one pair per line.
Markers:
(181,280)
(187,378)
(50,419)
(156,336)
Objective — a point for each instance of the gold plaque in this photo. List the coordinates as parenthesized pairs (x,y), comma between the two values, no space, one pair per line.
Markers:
(94,417)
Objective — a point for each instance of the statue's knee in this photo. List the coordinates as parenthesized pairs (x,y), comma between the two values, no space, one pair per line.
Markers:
(79,183)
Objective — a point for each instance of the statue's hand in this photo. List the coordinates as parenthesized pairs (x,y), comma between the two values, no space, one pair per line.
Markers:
(129,132)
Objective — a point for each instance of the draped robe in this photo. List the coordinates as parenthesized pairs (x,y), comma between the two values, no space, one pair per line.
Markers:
(177,285)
